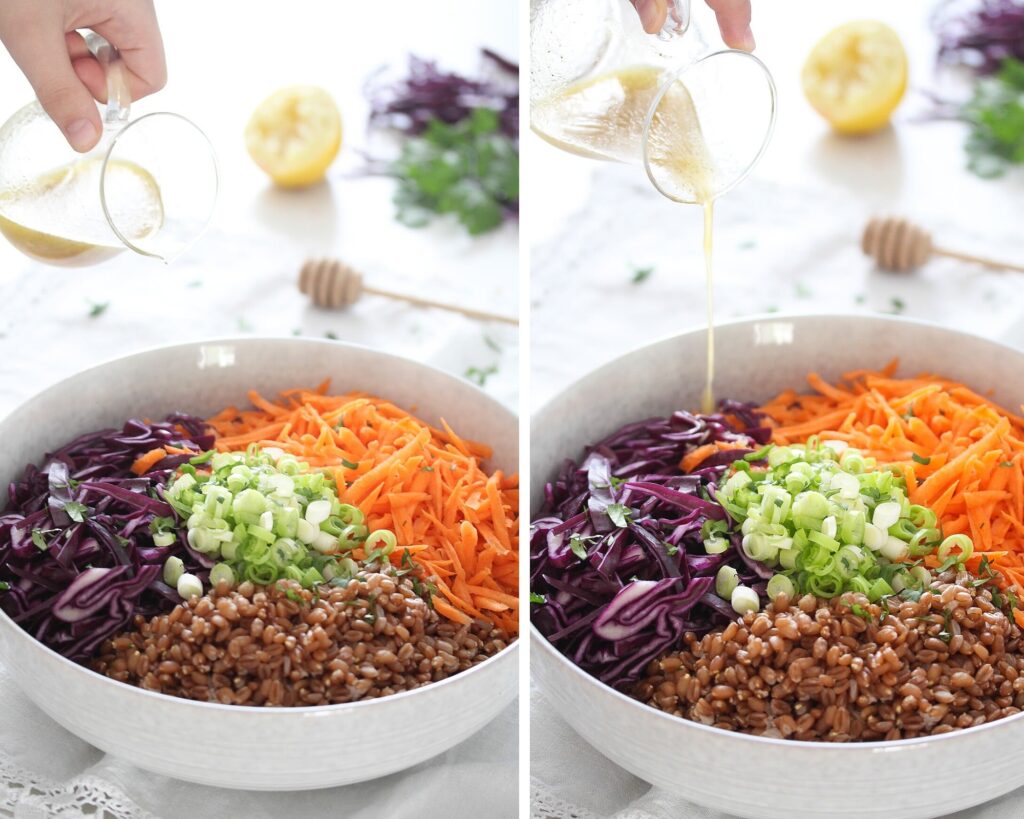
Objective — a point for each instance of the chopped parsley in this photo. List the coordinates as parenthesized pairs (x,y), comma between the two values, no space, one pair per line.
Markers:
(641,274)
(619,514)
(98,308)
(469,169)
(996,117)
(479,375)
(76,511)
(578,546)
(947,628)
(39,538)
(859,610)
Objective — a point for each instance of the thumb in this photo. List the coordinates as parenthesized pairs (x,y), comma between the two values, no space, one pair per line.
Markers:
(45,62)
(653,14)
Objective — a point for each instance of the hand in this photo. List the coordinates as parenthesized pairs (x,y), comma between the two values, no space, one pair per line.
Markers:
(733,19)
(42,38)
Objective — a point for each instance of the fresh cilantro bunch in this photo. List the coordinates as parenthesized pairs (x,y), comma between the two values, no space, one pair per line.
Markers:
(996,117)
(469,168)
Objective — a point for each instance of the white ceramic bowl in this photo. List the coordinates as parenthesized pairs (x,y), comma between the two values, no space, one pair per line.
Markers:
(740,774)
(258,748)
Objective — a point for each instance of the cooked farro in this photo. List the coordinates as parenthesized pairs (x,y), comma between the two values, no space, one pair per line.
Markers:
(814,669)
(282,645)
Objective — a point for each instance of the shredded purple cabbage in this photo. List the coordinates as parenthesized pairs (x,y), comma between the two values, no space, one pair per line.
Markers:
(982,34)
(77,558)
(429,93)
(646,579)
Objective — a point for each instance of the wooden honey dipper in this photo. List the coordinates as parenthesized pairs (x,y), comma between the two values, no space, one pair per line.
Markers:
(899,245)
(334,284)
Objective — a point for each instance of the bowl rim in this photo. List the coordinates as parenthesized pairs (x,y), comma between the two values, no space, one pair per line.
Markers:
(268,710)
(243,340)
(540,641)
(701,327)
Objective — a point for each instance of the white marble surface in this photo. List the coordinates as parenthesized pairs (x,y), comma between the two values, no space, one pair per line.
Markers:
(240,279)
(786,240)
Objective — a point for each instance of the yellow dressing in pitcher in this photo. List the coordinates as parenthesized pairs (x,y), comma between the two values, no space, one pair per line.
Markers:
(57,217)
(604,118)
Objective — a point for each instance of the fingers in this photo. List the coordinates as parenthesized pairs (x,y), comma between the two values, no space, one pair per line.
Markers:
(734,22)
(87,67)
(652,14)
(41,52)
(133,29)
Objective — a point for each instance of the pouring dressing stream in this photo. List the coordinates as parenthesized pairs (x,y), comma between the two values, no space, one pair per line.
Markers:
(697,122)
(608,116)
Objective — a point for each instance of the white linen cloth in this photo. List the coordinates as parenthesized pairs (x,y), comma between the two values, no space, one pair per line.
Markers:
(46,772)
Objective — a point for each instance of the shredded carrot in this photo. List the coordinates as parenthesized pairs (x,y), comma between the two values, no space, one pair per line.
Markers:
(427,485)
(961,454)
(696,457)
(148,460)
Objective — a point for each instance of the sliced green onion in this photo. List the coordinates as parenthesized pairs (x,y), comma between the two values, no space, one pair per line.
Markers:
(922,576)
(716,545)
(222,571)
(923,517)
(189,585)
(961,542)
(726,580)
(174,568)
(744,599)
(383,536)
(265,516)
(827,519)
(780,584)
(164,539)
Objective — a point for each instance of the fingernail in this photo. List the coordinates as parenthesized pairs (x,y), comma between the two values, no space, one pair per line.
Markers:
(81,134)
(648,11)
(747,40)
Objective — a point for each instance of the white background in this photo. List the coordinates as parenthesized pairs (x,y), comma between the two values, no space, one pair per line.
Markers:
(223,58)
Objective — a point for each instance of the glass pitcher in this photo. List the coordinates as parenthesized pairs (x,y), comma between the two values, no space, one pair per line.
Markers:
(149,185)
(602,88)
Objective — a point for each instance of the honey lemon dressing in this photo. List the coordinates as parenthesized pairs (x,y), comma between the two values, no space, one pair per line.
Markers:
(55,218)
(605,118)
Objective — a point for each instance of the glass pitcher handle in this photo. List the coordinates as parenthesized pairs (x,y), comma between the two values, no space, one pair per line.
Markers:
(677,21)
(119,97)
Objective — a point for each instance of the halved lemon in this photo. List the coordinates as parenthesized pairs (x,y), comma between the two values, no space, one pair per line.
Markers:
(856,75)
(294,135)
